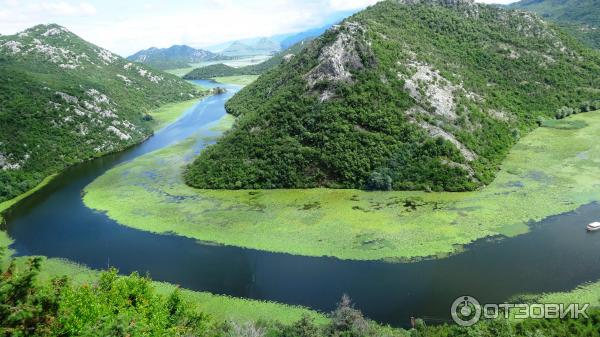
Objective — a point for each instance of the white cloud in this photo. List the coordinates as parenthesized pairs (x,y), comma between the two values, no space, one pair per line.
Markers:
(213,22)
(126,26)
(343,5)
(32,9)
(61,8)
(16,15)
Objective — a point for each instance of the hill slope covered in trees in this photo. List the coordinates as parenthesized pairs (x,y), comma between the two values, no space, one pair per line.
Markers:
(64,100)
(412,94)
(579,17)
(179,56)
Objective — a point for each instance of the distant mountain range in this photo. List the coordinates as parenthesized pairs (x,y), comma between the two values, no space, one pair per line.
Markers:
(64,100)
(220,69)
(182,56)
(303,36)
(177,56)
(262,46)
(581,18)
(288,40)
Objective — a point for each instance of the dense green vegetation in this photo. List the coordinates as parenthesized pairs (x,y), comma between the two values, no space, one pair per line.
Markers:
(455,87)
(581,18)
(64,100)
(219,70)
(222,70)
(178,56)
(113,305)
(353,224)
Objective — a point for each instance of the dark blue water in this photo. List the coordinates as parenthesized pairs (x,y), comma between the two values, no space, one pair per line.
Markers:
(556,255)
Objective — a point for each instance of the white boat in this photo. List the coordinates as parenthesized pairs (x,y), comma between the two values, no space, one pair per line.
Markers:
(594,226)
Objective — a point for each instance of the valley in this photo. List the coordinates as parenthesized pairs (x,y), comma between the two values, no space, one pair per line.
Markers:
(176,123)
(155,168)
(353,178)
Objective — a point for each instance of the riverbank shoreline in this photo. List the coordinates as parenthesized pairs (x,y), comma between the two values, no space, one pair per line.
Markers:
(219,306)
(163,116)
(393,226)
(41,231)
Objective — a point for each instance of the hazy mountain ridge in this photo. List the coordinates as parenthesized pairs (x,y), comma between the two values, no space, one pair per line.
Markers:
(63,100)
(262,46)
(177,56)
(410,94)
(220,69)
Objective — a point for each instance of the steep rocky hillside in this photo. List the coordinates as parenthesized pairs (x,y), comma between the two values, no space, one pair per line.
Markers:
(413,94)
(63,100)
(580,18)
(174,57)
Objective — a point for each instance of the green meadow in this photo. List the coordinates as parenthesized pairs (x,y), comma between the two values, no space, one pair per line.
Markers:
(239,80)
(168,113)
(586,293)
(551,171)
(9,203)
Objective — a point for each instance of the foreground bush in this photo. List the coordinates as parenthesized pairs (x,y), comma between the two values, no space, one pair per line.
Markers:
(114,306)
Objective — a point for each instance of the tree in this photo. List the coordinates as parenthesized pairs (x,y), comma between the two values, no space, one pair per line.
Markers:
(379,181)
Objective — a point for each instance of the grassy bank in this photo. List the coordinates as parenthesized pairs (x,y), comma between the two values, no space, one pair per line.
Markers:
(239,80)
(218,306)
(110,305)
(9,203)
(551,171)
(168,113)
(586,293)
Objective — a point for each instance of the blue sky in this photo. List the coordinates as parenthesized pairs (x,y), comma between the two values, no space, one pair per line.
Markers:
(126,26)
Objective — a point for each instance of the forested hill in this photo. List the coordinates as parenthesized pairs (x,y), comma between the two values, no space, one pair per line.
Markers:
(220,69)
(178,56)
(579,17)
(63,100)
(413,94)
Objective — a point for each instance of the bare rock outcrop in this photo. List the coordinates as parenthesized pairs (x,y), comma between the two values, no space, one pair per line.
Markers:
(340,58)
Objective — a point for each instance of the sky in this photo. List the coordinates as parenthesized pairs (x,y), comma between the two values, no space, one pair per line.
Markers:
(126,26)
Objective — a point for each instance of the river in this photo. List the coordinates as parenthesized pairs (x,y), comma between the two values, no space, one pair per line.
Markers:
(556,255)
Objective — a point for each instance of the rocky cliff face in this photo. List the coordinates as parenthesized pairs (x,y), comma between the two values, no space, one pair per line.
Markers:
(339,59)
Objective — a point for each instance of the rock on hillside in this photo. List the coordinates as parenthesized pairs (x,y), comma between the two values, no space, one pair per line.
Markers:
(412,94)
